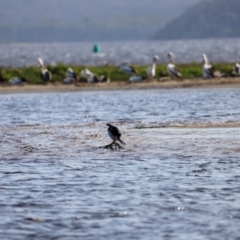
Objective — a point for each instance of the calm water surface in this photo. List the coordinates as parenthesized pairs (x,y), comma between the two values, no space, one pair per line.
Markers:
(173,180)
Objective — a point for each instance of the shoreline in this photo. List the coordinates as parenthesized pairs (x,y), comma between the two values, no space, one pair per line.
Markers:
(124,85)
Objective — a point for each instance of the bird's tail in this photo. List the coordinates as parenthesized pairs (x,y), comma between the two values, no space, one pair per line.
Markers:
(122,142)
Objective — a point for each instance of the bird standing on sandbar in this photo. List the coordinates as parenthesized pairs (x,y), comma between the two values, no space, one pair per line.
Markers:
(208,71)
(114,133)
(171,67)
(151,70)
(71,77)
(45,73)
(17,81)
(126,68)
(236,70)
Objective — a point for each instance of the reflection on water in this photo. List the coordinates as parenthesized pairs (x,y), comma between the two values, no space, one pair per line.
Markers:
(140,52)
(167,183)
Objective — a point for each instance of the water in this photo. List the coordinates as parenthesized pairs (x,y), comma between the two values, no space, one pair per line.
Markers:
(173,179)
(114,53)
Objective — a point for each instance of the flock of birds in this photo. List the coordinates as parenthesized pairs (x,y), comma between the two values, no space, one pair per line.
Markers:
(208,71)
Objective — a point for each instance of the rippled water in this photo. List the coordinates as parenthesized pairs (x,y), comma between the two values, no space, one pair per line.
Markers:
(171,181)
(218,50)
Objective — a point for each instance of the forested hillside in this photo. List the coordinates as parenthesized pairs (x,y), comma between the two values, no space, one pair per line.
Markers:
(209,19)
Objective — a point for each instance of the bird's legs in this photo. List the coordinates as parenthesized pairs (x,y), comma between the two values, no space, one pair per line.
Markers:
(110,146)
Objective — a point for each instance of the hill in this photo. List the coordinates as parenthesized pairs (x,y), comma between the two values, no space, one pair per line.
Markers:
(95,20)
(209,19)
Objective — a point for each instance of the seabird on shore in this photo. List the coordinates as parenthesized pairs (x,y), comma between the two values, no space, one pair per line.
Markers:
(45,73)
(17,81)
(87,74)
(127,69)
(151,70)
(114,133)
(136,79)
(171,67)
(71,77)
(236,70)
(93,78)
(208,71)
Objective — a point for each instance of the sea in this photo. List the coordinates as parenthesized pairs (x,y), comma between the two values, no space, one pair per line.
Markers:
(177,177)
(115,53)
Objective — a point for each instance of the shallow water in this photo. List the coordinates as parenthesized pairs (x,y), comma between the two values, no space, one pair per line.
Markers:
(114,53)
(170,181)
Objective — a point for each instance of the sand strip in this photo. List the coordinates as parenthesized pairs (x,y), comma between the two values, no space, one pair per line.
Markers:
(123,85)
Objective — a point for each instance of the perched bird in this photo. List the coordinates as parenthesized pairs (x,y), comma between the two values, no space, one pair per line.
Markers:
(45,73)
(208,71)
(136,79)
(114,133)
(127,69)
(151,70)
(236,70)
(93,78)
(71,77)
(171,68)
(86,73)
(17,81)
(90,76)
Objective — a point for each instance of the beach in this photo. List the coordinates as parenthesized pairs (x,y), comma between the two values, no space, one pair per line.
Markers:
(124,85)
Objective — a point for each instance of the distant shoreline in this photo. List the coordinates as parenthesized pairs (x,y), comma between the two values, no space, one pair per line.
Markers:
(124,85)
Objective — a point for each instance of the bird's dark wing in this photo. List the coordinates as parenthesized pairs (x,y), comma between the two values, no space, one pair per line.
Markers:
(211,71)
(74,75)
(115,131)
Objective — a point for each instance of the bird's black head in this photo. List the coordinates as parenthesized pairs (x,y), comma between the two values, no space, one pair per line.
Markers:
(108,124)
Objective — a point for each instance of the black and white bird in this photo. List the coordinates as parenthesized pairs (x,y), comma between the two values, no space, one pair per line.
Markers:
(236,70)
(88,75)
(124,67)
(114,133)
(151,70)
(45,73)
(93,78)
(208,71)
(171,67)
(17,81)
(71,77)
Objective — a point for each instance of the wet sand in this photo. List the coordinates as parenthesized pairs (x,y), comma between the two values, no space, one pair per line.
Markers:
(123,85)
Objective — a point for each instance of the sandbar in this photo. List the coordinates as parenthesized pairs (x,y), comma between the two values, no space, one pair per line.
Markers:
(124,85)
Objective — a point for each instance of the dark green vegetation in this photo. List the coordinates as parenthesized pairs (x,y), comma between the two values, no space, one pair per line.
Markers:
(84,20)
(32,74)
(208,19)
